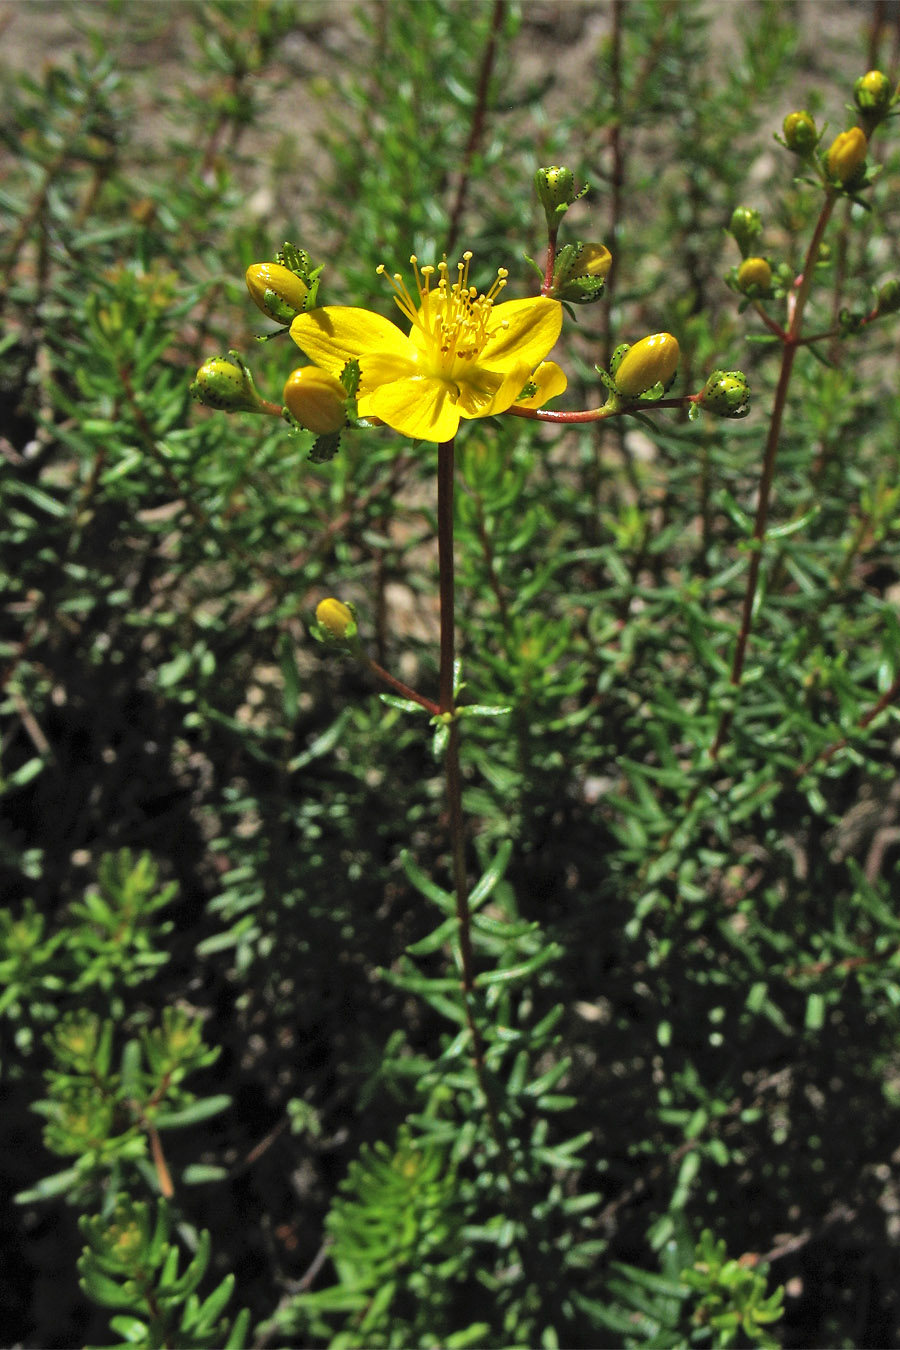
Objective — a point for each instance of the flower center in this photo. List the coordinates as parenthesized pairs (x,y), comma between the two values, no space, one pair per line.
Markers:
(453,321)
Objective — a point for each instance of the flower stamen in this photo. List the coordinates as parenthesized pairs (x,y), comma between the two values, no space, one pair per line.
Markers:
(453,319)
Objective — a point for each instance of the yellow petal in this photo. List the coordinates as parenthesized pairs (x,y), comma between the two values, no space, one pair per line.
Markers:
(486,392)
(421,408)
(522,332)
(335,334)
(550,381)
(377,368)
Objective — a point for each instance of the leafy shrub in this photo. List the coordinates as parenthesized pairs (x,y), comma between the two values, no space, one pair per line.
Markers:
(552,996)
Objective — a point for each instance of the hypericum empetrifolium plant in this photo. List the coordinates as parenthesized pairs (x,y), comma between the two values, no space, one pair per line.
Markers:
(132,1265)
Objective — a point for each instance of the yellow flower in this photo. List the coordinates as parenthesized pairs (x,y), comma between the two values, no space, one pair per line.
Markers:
(466,356)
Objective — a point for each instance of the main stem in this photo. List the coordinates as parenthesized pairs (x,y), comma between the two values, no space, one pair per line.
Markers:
(446,702)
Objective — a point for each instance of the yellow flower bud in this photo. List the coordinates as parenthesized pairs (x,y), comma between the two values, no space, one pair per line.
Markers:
(580,272)
(651,361)
(315,399)
(754,276)
(846,159)
(800,133)
(279,292)
(873,92)
(336,618)
(595,260)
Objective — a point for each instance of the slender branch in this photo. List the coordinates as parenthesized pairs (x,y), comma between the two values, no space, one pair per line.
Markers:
(403,689)
(601,414)
(478,120)
(792,338)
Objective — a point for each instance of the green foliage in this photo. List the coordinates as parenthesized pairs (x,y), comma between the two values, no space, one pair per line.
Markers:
(709,1301)
(234,969)
(107,1116)
(396,1242)
(106,943)
(131,1265)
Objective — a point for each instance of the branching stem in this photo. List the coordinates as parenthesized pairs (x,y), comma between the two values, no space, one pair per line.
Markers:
(791,341)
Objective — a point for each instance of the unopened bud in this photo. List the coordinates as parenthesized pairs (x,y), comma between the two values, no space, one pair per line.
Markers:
(754,277)
(746,226)
(649,362)
(872,92)
(316,400)
(226,383)
(336,619)
(889,297)
(555,187)
(800,133)
(846,158)
(279,292)
(580,272)
(727,394)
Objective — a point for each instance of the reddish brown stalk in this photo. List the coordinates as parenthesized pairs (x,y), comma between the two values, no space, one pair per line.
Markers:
(791,341)
(446,470)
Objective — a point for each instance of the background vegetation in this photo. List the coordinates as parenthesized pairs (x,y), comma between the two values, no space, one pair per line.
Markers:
(230,1032)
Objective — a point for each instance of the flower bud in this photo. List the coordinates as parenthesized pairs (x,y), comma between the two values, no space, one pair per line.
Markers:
(727,394)
(337,619)
(889,297)
(846,158)
(800,133)
(872,92)
(316,400)
(746,226)
(649,362)
(580,272)
(754,276)
(555,187)
(279,292)
(226,383)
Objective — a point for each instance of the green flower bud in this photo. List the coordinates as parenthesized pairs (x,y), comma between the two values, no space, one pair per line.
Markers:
(889,297)
(226,383)
(279,292)
(649,362)
(754,277)
(800,133)
(846,158)
(727,394)
(872,92)
(555,187)
(746,226)
(337,619)
(316,400)
(580,272)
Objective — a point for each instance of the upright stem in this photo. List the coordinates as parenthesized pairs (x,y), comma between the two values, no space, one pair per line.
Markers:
(454,775)
(791,340)
(446,570)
